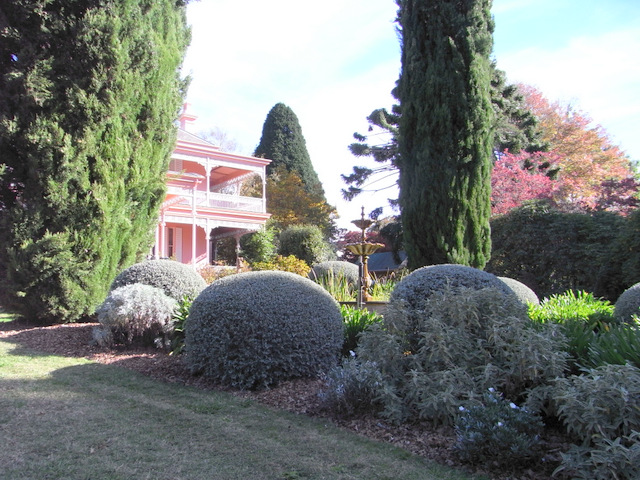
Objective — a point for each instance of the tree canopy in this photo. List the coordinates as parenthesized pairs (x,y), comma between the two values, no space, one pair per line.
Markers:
(445,132)
(89,92)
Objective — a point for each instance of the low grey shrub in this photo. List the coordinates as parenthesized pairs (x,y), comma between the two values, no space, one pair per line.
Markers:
(135,313)
(450,351)
(347,270)
(351,388)
(256,329)
(176,279)
(524,293)
(604,401)
(628,304)
(606,459)
(416,288)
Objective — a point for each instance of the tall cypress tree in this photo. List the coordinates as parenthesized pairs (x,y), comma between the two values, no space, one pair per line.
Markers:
(89,92)
(445,131)
(283,143)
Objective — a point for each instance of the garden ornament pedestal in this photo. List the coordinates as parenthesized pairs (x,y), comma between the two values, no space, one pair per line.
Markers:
(363,250)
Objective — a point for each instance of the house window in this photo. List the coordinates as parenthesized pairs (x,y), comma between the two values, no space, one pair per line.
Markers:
(175,165)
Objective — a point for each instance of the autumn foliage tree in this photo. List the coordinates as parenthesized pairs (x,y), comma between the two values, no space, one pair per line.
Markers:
(587,161)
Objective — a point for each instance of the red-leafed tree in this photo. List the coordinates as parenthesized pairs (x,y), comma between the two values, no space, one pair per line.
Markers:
(520,177)
(589,164)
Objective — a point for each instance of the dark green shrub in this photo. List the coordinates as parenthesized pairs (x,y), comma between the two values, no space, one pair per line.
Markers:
(255,329)
(553,251)
(355,320)
(306,242)
(628,304)
(179,322)
(135,313)
(259,246)
(497,431)
(451,350)
(524,293)
(177,280)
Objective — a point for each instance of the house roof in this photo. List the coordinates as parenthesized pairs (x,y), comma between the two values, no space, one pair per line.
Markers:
(191,138)
(384,261)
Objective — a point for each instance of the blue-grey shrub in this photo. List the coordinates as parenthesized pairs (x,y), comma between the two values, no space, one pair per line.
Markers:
(347,270)
(135,313)
(524,293)
(176,279)
(256,329)
(414,290)
(628,304)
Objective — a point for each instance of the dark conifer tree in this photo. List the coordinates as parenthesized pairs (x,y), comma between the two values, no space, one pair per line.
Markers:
(445,132)
(89,92)
(283,143)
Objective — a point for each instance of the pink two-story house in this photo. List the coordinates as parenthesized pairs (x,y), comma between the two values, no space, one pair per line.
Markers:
(205,200)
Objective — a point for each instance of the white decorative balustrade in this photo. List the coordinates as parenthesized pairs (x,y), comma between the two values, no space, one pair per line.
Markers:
(219,200)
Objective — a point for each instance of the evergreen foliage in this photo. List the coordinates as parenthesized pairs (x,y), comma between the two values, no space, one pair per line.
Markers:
(306,242)
(445,132)
(628,304)
(524,293)
(177,280)
(89,92)
(283,143)
(551,251)
(256,329)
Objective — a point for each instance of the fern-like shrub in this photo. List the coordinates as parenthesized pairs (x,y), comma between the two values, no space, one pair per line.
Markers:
(497,431)
(176,279)
(524,293)
(451,350)
(628,304)
(135,313)
(256,329)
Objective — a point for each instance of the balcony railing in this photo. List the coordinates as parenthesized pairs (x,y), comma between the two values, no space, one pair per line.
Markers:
(220,200)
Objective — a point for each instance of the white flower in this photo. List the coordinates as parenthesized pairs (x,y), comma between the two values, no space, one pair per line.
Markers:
(461,408)
(352,353)
(513,405)
(492,389)
(500,424)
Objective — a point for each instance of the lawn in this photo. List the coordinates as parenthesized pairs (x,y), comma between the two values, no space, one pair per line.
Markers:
(74,419)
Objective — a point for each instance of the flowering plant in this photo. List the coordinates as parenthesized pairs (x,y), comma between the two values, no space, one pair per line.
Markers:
(498,431)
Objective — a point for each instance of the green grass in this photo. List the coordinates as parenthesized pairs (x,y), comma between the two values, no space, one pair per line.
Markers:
(69,418)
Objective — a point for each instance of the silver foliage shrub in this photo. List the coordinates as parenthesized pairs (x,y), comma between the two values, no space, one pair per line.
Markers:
(256,329)
(176,279)
(628,304)
(524,293)
(416,288)
(450,350)
(348,270)
(601,408)
(135,313)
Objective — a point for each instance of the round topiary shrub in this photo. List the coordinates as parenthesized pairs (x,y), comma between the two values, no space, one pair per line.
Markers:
(177,280)
(524,293)
(628,304)
(414,290)
(255,329)
(135,313)
(338,269)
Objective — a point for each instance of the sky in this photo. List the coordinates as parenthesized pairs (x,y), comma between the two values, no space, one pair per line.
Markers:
(334,62)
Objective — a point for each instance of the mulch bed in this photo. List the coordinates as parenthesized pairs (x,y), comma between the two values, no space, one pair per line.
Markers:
(300,397)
